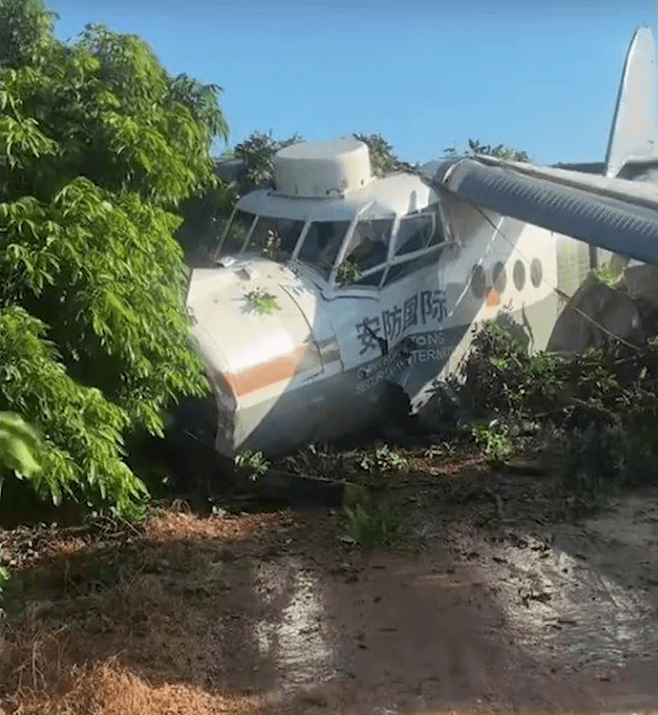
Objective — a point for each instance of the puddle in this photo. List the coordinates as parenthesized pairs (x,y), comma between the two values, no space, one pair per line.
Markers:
(295,637)
(559,606)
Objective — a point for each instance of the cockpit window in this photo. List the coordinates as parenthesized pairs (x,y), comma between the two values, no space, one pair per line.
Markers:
(401,270)
(275,238)
(420,232)
(368,249)
(369,245)
(415,233)
(237,232)
(321,245)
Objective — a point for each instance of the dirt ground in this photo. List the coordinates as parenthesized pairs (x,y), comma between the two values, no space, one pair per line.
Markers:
(496,598)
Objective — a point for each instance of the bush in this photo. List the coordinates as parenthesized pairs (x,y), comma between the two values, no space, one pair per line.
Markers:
(601,406)
(98,147)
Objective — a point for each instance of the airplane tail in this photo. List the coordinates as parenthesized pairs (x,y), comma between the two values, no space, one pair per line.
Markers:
(634,131)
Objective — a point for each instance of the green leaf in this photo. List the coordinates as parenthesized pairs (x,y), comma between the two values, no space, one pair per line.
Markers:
(19,444)
(99,145)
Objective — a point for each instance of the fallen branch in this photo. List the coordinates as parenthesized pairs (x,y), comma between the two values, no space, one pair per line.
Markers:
(594,410)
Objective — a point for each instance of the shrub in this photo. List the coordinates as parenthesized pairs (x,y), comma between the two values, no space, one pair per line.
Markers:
(98,147)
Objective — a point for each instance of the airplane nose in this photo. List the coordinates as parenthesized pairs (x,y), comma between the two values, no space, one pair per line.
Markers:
(218,373)
(254,358)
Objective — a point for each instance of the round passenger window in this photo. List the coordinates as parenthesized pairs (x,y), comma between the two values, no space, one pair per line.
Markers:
(536,272)
(478,282)
(519,275)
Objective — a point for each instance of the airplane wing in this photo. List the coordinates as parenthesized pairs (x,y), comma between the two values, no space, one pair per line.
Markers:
(612,213)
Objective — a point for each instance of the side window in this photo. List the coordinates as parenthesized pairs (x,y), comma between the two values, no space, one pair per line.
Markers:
(368,250)
(415,233)
(321,245)
(418,232)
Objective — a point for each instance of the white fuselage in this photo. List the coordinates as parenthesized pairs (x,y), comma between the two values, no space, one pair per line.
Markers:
(380,284)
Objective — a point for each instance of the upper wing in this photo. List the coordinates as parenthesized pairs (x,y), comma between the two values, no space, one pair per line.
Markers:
(616,214)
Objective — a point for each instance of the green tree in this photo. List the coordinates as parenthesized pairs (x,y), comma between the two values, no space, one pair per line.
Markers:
(257,152)
(501,151)
(383,159)
(99,145)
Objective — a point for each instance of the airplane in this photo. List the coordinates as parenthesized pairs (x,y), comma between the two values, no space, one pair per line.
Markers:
(335,289)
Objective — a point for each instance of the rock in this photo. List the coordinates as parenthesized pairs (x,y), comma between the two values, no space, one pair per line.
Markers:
(595,304)
(537,465)
(308,492)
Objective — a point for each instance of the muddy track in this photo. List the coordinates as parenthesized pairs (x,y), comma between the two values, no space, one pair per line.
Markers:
(484,604)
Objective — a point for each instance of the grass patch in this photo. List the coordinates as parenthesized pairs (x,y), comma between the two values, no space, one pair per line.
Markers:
(496,444)
(379,525)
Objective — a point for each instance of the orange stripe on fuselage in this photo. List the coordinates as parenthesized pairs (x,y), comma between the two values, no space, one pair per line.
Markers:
(281,368)
(493,298)
(267,373)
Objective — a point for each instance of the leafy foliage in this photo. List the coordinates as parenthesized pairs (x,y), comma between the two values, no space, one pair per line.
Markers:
(348,272)
(496,444)
(376,525)
(4,580)
(382,461)
(609,274)
(501,151)
(600,407)
(252,463)
(19,450)
(262,302)
(382,157)
(99,145)
(19,445)
(258,154)
(499,367)
(272,247)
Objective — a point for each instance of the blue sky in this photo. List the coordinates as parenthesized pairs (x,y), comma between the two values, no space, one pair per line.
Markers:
(538,75)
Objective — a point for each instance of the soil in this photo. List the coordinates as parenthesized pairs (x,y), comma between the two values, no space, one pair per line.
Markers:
(496,597)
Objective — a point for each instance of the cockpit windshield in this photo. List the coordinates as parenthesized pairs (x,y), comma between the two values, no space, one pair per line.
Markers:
(273,238)
(322,244)
(237,232)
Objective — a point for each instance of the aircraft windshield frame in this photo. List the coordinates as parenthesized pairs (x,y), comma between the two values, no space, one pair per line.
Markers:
(368,251)
(232,234)
(320,245)
(272,237)
(405,250)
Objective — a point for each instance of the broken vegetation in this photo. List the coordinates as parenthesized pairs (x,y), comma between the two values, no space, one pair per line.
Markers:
(595,412)
(262,302)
